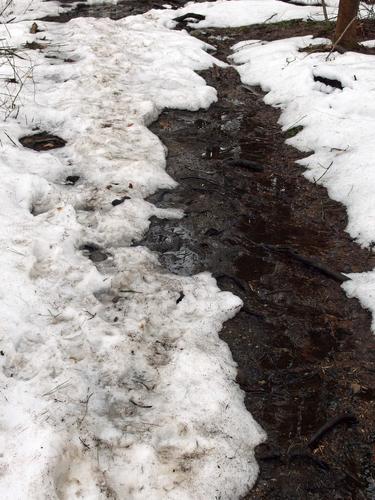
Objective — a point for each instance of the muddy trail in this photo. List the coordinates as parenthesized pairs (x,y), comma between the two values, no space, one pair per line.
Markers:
(117,11)
(305,351)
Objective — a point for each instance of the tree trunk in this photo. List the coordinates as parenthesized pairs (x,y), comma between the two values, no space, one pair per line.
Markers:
(346,25)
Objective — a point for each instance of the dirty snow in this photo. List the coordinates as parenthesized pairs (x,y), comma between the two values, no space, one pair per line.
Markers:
(113,379)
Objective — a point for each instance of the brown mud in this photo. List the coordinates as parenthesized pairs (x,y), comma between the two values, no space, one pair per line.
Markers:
(305,351)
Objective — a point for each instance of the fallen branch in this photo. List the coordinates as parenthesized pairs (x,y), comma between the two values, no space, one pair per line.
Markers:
(309,262)
(328,426)
(248,164)
(319,266)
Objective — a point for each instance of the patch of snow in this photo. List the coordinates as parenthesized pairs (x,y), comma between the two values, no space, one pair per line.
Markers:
(235,13)
(19,10)
(113,380)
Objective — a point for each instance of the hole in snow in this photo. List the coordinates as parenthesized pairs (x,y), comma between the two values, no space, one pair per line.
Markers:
(72,179)
(94,252)
(43,141)
(120,200)
(336,84)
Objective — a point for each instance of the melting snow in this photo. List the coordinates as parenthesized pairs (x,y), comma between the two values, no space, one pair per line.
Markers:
(111,386)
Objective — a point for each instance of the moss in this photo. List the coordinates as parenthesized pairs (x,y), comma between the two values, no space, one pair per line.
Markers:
(292,131)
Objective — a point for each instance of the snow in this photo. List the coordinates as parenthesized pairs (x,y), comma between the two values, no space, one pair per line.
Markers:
(110,384)
(114,381)
(17,10)
(235,13)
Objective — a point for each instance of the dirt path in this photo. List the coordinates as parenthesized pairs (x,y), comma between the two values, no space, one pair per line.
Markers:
(305,351)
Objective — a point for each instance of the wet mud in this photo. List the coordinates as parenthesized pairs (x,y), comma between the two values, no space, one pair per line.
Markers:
(305,351)
(117,11)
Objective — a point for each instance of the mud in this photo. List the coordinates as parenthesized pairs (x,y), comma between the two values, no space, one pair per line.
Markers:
(305,351)
(122,9)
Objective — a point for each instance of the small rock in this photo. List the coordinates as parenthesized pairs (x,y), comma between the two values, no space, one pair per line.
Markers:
(119,201)
(34,28)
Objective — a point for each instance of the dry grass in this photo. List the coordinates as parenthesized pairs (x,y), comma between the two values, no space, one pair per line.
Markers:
(15,66)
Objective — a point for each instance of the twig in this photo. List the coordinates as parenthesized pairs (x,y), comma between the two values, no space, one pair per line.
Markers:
(307,261)
(11,140)
(322,268)
(138,404)
(324,173)
(325,11)
(86,408)
(57,387)
(328,426)
(269,19)
(336,43)
(84,444)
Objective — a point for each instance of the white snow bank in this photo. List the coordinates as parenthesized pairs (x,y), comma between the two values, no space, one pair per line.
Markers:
(337,126)
(18,10)
(113,379)
(14,11)
(234,13)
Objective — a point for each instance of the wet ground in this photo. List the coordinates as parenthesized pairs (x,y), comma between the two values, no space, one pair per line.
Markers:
(305,351)
(122,9)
